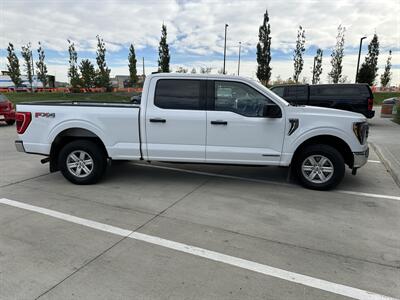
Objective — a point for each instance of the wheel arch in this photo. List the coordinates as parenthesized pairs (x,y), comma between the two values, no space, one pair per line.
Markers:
(331,140)
(68,135)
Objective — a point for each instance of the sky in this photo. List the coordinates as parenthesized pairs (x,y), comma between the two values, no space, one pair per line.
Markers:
(196,32)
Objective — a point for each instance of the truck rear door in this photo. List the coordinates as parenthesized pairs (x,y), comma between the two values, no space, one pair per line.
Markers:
(175,120)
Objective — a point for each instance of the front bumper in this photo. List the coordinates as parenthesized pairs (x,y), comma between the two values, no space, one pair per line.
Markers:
(20,146)
(360,158)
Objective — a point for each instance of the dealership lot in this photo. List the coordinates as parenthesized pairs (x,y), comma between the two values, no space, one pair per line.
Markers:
(267,237)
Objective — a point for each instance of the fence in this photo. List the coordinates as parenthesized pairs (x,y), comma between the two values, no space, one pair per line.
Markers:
(69,90)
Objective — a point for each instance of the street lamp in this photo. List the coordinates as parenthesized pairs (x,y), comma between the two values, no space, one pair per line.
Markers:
(33,72)
(223,70)
(359,53)
(240,46)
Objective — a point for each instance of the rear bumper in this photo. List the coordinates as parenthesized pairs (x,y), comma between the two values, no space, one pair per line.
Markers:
(370,114)
(360,158)
(20,146)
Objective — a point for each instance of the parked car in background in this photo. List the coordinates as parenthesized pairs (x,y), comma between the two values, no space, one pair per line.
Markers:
(136,99)
(352,97)
(7,112)
(213,119)
(389,107)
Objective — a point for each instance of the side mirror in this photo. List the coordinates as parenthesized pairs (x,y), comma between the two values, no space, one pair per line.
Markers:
(272,111)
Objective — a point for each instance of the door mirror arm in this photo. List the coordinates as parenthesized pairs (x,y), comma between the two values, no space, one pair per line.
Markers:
(272,110)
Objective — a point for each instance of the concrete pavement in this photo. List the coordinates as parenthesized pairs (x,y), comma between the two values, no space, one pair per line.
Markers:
(385,139)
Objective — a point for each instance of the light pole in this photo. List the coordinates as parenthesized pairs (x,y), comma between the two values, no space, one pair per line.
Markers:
(240,46)
(359,53)
(33,72)
(223,70)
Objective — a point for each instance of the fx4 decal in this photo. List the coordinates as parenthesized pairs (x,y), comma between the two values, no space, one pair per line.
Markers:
(44,115)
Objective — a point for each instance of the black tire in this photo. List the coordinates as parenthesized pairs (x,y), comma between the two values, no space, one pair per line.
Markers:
(335,159)
(93,151)
(10,122)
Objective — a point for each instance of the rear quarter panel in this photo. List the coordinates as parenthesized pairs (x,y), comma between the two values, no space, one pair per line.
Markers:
(117,127)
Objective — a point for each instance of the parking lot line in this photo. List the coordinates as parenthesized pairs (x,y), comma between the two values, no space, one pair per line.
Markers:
(370,195)
(374,161)
(305,280)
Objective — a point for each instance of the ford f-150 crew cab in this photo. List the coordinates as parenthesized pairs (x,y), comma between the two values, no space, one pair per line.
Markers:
(214,119)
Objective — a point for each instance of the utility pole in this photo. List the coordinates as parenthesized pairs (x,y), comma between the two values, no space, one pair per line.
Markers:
(33,72)
(313,72)
(144,74)
(223,70)
(240,46)
(359,54)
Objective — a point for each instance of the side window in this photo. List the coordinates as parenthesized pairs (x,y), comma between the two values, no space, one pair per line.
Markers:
(278,90)
(178,94)
(296,92)
(239,98)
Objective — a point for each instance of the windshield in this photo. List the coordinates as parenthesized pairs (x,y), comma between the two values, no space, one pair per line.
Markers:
(270,94)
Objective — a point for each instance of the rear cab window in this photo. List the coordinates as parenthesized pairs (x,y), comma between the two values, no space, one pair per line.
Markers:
(179,94)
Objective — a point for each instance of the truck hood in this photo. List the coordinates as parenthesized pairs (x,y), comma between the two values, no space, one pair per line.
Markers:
(327,112)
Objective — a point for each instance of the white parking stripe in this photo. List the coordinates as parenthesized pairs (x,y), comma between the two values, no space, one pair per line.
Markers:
(208,254)
(370,195)
(374,161)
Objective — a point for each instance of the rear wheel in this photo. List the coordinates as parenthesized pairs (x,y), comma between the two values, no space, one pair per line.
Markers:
(10,122)
(320,167)
(82,162)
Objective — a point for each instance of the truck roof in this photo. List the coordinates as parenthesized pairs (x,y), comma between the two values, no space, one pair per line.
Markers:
(200,76)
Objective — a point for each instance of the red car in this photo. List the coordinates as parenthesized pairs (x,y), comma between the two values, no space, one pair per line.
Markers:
(7,111)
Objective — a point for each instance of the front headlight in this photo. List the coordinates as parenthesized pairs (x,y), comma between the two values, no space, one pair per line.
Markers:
(360,129)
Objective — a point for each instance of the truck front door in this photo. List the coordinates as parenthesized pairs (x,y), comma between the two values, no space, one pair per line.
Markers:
(237,132)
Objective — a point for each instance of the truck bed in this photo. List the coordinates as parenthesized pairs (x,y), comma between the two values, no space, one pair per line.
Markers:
(115,124)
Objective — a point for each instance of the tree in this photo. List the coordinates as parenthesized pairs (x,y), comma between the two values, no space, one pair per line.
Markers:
(163,51)
(337,56)
(205,70)
(181,70)
(88,73)
(132,66)
(41,66)
(27,56)
(386,76)
(13,66)
(73,73)
(368,69)
(103,74)
(264,51)
(317,70)
(298,54)
(193,71)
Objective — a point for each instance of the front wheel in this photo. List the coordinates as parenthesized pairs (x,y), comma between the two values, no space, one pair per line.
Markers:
(82,162)
(320,167)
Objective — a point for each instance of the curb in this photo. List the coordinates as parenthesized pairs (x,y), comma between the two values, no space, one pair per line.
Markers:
(386,163)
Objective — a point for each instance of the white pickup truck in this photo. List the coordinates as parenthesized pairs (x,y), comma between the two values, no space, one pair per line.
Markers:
(212,119)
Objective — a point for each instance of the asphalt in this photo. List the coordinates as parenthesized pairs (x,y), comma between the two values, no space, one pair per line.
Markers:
(251,213)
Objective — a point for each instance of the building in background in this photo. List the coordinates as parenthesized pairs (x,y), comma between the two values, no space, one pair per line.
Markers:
(122,81)
(6,82)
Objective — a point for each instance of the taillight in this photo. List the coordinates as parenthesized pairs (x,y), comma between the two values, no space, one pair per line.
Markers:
(370,103)
(23,119)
